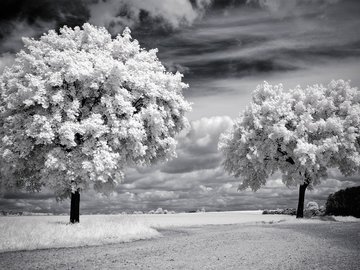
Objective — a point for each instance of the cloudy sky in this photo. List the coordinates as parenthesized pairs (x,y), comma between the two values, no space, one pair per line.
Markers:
(224,48)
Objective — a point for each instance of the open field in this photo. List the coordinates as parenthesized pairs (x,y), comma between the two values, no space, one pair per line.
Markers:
(39,232)
(224,240)
(284,245)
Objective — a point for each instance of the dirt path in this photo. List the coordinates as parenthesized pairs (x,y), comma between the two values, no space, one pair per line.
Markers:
(270,246)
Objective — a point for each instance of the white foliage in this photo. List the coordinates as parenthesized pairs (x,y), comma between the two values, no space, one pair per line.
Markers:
(300,132)
(312,206)
(80,106)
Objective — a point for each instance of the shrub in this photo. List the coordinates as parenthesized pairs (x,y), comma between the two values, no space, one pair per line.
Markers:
(312,206)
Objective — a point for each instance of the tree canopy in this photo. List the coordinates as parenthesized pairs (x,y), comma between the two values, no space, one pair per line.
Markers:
(299,132)
(78,106)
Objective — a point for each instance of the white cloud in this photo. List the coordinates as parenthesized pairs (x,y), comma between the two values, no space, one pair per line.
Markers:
(205,189)
(158,195)
(227,189)
(115,14)
(204,134)
(197,149)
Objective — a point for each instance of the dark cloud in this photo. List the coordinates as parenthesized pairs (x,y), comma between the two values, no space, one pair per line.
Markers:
(31,18)
(236,68)
(225,4)
(235,39)
(28,196)
(192,163)
(69,12)
(11,41)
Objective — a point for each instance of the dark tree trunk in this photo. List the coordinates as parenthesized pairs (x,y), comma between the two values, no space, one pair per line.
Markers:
(300,208)
(75,207)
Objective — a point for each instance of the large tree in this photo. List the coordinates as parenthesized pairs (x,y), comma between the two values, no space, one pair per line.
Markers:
(78,106)
(299,132)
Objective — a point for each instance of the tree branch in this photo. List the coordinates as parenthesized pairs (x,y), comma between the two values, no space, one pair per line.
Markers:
(138,104)
(289,159)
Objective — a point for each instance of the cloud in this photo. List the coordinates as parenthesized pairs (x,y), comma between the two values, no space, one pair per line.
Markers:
(31,18)
(288,7)
(197,150)
(12,41)
(28,196)
(230,46)
(250,42)
(6,59)
(204,134)
(205,189)
(70,12)
(158,195)
(115,14)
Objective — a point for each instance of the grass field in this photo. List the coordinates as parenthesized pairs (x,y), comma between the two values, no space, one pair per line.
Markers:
(41,232)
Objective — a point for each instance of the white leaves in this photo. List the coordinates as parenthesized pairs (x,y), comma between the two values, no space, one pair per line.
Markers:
(280,132)
(79,68)
(305,152)
(93,126)
(334,125)
(300,132)
(91,104)
(90,127)
(58,98)
(7,155)
(72,109)
(55,160)
(123,48)
(67,132)
(103,164)
(40,129)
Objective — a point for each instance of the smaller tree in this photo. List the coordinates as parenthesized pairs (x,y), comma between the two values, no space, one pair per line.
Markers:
(79,106)
(300,132)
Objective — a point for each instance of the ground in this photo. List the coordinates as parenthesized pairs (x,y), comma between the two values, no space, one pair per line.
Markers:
(325,245)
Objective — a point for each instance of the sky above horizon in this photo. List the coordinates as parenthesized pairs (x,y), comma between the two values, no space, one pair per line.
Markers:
(224,48)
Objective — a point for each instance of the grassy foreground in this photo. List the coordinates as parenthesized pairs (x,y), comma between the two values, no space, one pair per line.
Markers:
(41,232)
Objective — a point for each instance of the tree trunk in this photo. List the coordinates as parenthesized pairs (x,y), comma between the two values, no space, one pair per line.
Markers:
(75,207)
(300,208)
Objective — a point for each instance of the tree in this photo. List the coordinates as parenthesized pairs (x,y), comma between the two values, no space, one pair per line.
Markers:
(300,132)
(78,106)
(344,202)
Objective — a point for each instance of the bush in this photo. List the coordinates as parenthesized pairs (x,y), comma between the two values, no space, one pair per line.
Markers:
(159,211)
(312,206)
(287,211)
(344,203)
(312,209)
